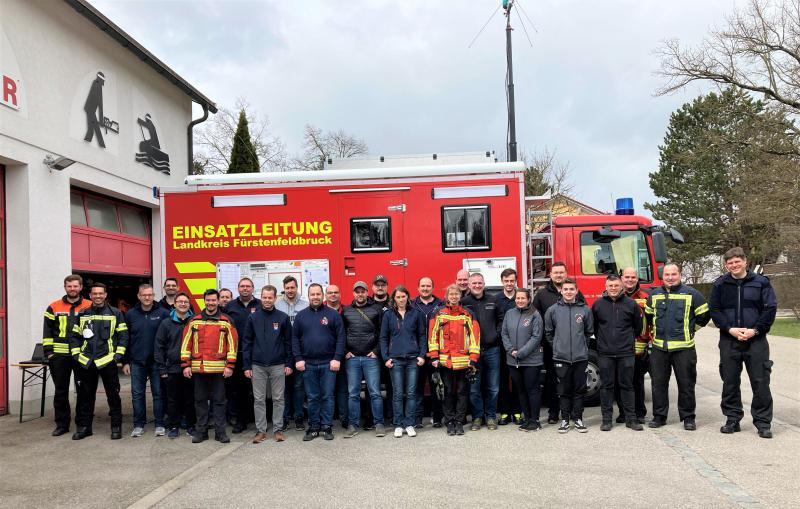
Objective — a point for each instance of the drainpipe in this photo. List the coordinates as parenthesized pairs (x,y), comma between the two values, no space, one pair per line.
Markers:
(190,138)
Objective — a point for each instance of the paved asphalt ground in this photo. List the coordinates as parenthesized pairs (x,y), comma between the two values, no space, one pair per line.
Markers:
(668,467)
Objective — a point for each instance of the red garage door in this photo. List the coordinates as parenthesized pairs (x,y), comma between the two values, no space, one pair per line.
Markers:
(109,236)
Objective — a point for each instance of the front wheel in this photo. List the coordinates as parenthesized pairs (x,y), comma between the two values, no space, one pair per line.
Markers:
(592,396)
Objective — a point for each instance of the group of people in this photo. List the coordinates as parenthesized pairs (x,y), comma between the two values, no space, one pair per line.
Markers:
(478,354)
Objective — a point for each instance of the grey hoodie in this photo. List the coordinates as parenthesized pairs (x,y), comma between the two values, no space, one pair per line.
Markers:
(568,328)
(522,331)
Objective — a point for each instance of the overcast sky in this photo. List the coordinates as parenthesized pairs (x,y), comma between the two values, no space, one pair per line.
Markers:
(400,75)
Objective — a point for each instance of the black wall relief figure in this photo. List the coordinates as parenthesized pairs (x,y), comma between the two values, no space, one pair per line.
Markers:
(95,119)
(94,110)
(150,152)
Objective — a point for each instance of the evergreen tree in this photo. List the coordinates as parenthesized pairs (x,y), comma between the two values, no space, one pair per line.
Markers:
(244,158)
(707,178)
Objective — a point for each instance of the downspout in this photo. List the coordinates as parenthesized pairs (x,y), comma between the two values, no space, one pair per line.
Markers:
(190,138)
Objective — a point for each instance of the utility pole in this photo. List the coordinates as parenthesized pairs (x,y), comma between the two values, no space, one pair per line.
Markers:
(512,128)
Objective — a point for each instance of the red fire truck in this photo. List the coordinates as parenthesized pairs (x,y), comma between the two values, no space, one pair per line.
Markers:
(403,218)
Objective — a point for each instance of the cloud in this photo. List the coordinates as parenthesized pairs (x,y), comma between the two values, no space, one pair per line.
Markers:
(401,75)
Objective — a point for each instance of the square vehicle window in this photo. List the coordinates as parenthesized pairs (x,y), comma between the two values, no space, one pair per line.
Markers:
(466,228)
(370,234)
(629,250)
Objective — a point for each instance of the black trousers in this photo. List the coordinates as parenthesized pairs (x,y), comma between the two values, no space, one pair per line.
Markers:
(508,399)
(87,391)
(754,354)
(526,381)
(61,368)
(456,394)
(550,397)
(641,366)
(571,388)
(239,393)
(180,400)
(209,386)
(616,373)
(425,375)
(684,363)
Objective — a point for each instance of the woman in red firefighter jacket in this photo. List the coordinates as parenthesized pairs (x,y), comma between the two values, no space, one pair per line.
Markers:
(208,355)
(454,343)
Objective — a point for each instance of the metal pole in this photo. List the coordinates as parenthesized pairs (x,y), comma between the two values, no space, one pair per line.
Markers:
(512,129)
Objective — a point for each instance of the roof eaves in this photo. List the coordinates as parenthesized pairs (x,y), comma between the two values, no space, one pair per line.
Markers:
(88,11)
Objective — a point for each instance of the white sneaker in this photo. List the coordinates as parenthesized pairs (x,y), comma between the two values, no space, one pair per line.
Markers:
(410,431)
(160,431)
(398,432)
(137,432)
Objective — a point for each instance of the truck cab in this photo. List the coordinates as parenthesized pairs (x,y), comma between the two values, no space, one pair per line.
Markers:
(593,247)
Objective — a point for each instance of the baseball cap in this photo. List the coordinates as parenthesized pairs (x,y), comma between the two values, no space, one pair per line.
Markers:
(360,284)
(380,278)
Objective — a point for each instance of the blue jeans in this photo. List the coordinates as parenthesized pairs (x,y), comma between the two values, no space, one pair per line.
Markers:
(342,393)
(320,383)
(140,372)
(404,384)
(370,369)
(483,393)
(293,397)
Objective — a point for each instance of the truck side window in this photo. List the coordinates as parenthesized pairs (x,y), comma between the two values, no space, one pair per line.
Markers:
(370,234)
(630,250)
(466,228)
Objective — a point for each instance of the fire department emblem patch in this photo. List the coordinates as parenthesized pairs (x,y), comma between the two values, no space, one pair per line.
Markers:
(324,321)
(275,325)
(526,322)
(579,318)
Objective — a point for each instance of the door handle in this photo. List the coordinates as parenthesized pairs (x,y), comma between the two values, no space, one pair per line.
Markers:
(402,262)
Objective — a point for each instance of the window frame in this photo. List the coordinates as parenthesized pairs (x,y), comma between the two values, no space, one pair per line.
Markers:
(364,250)
(117,204)
(646,244)
(465,207)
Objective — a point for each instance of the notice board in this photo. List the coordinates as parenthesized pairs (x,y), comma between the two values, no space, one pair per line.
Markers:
(272,273)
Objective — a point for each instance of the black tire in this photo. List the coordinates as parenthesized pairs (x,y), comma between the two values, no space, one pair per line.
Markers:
(592,397)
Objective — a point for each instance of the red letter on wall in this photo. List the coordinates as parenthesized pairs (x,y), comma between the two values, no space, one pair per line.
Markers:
(10,92)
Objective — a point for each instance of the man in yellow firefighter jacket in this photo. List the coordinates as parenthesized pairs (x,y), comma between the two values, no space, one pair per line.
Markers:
(59,319)
(97,343)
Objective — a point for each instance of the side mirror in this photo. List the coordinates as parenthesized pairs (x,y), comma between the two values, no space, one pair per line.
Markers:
(605,235)
(659,247)
(661,272)
(676,236)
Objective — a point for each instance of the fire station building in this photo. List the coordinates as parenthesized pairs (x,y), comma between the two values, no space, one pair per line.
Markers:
(90,123)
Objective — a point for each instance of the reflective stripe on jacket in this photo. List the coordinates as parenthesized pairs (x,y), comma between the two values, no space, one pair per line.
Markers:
(676,313)
(209,343)
(109,338)
(455,338)
(646,337)
(59,319)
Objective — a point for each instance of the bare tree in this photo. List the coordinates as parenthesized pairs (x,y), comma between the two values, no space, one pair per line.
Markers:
(318,146)
(544,172)
(758,51)
(214,140)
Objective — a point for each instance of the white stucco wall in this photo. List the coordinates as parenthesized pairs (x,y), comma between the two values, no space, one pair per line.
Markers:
(58,52)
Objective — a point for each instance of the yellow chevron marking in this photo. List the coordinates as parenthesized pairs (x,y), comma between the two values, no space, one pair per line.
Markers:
(195,267)
(198,286)
(201,304)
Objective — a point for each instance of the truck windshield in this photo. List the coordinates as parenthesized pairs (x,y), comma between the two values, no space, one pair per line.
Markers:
(630,250)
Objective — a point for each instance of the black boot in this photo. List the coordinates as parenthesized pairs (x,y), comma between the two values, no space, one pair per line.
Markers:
(116,432)
(82,433)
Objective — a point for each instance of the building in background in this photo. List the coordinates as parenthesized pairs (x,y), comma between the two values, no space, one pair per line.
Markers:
(90,123)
